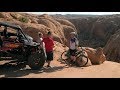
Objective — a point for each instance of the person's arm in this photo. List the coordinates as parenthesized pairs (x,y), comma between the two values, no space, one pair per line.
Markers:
(43,40)
(77,42)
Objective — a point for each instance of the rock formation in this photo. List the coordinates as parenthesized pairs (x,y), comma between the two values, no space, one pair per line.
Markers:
(96,31)
(92,31)
(33,24)
(96,56)
(112,48)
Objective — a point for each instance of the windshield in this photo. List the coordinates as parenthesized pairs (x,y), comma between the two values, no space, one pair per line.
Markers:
(9,30)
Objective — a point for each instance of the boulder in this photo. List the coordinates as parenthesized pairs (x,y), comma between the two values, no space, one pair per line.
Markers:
(96,56)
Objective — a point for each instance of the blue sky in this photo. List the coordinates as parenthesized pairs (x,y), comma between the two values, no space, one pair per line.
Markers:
(91,13)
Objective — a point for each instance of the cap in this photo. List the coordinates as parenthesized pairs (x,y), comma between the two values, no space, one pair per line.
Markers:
(74,33)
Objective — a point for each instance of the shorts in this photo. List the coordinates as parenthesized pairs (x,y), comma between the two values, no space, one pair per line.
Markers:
(73,52)
(49,56)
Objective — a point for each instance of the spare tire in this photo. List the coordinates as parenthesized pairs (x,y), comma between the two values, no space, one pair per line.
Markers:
(36,60)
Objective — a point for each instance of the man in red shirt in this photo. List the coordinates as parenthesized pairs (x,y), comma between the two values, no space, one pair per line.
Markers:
(49,45)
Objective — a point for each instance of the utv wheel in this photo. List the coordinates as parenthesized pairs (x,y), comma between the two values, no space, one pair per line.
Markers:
(36,61)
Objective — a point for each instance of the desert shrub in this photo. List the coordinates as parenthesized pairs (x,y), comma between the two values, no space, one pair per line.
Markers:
(24,19)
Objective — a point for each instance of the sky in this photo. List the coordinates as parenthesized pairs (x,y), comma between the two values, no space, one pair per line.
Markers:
(63,13)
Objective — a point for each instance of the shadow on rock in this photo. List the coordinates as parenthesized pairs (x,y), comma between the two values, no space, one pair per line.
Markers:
(53,69)
(13,71)
(9,71)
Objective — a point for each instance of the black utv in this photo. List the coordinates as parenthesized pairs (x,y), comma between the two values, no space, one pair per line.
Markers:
(19,47)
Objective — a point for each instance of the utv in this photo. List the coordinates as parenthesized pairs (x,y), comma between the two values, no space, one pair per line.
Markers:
(19,47)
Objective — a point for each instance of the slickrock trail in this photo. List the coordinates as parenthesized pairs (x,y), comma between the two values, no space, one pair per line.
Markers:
(106,70)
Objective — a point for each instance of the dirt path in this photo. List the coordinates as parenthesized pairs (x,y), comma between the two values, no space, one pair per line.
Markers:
(105,70)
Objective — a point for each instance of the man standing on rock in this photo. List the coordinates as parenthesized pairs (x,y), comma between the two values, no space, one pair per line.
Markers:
(73,46)
(49,45)
(42,44)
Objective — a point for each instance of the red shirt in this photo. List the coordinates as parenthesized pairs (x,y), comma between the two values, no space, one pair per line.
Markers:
(49,43)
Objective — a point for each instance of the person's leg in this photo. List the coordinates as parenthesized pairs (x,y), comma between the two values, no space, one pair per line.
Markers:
(74,55)
(45,53)
(74,58)
(50,58)
(71,56)
(46,57)
(48,63)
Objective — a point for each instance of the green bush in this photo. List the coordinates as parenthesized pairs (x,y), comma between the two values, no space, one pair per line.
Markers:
(24,19)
